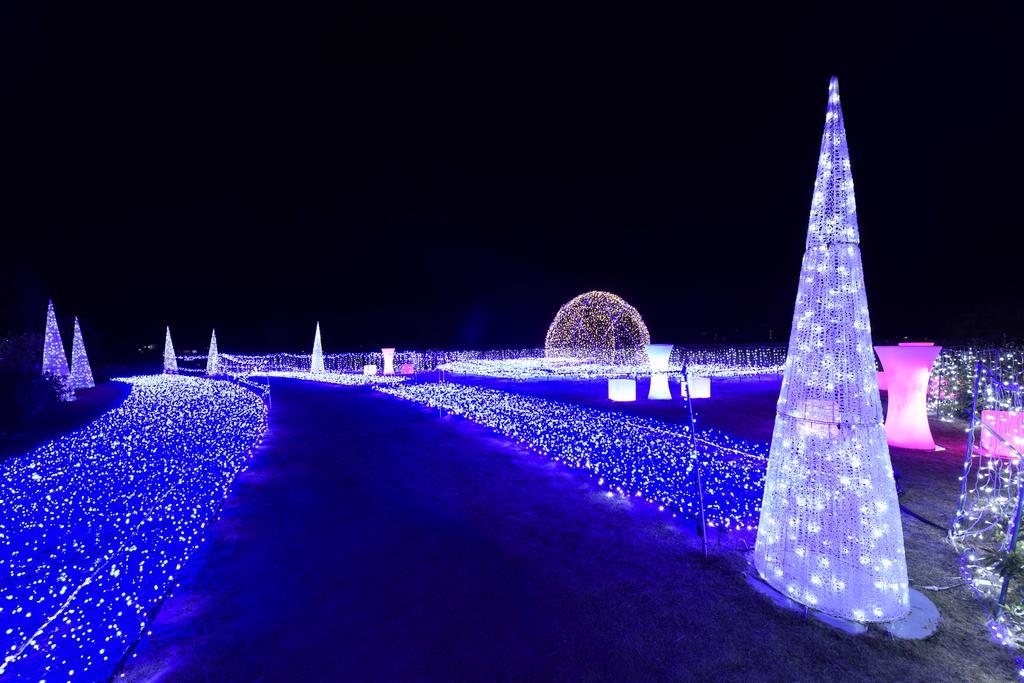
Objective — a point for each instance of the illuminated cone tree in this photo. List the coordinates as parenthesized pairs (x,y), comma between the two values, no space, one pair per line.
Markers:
(212,358)
(55,360)
(170,360)
(81,372)
(830,535)
(316,364)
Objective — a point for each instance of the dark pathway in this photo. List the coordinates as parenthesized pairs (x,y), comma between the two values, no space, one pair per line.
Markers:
(371,540)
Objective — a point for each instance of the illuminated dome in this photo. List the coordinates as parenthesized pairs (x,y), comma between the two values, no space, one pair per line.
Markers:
(598,324)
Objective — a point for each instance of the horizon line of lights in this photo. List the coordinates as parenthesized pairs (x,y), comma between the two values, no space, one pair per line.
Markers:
(98,524)
(630,455)
(756,355)
(573,368)
(344,379)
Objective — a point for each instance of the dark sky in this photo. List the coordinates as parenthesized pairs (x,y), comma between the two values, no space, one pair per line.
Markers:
(427,178)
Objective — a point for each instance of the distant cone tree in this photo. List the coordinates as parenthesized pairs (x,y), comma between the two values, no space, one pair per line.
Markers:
(170,360)
(830,535)
(55,360)
(316,364)
(212,358)
(81,371)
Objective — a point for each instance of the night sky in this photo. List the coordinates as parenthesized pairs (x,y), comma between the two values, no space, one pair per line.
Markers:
(419,178)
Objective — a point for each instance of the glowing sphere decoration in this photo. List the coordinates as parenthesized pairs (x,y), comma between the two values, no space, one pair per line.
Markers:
(598,325)
(830,535)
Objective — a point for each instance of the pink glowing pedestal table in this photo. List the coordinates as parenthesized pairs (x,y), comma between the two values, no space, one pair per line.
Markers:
(907,367)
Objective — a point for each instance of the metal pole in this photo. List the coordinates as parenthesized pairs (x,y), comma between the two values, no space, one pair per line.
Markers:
(696,462)
(970,442)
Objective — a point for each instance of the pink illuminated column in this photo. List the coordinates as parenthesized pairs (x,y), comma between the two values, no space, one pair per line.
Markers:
(389,361)
(907,367)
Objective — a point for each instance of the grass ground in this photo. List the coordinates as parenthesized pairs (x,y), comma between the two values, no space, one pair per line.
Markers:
(373,540)
(66,417)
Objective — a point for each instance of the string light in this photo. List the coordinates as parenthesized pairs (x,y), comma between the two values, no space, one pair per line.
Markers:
(830,535)
(631,455)
(98,524)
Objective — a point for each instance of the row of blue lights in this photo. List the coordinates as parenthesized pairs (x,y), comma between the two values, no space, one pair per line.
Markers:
(630,455)
(97,525)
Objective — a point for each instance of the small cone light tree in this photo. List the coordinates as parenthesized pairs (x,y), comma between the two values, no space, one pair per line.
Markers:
(212,358)
(316,364)
(81,371)
(170,360)
(55,361)
(830,535)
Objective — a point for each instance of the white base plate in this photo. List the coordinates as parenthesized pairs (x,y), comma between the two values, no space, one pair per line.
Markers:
(922,621)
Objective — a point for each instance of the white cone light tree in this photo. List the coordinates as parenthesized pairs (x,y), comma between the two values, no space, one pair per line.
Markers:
(830,535)
(81,371)
(170,360)
(55,360)
(316,364)
(213,358)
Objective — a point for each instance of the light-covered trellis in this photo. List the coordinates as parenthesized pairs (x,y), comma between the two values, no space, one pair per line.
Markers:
(986,530)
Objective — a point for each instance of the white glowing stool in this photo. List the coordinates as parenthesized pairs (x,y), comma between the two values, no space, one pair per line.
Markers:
(657,358)
(699,387)
(389,361)
(369,369)
(622,389)
(907,367)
